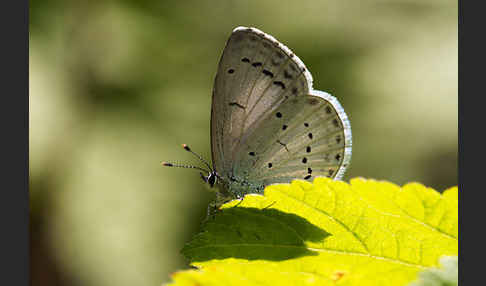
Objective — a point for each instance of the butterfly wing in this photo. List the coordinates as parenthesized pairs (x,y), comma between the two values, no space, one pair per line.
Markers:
(267,124)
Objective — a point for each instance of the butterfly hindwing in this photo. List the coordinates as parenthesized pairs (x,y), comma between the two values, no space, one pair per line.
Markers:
(302,139)
(267,124)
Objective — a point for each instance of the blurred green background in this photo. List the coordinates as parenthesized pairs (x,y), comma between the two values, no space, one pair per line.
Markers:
(117,86)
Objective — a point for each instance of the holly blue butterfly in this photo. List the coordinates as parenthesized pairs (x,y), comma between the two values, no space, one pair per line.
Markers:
(268,125)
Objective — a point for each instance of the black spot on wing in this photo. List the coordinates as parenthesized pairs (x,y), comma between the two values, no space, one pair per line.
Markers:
(245,60)
(231,71)
(279,83)
(267,73)
(338,157)
(257,64)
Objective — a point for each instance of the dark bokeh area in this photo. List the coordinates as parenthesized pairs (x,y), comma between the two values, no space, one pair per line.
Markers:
(117,86)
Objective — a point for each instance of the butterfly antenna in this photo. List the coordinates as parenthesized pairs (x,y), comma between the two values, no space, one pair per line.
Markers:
(197,155)
(168,164)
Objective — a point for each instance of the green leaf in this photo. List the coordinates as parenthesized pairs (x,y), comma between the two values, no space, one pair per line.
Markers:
(363,233)
(447,275)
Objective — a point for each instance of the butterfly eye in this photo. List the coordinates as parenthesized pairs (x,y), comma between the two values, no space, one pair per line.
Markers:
(211,179)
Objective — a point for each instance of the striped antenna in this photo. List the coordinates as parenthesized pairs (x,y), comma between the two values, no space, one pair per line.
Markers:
(169,164)
(197,155)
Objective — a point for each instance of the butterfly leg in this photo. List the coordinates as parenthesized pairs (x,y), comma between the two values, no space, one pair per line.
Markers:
(241,200)
(269,205)
(213,208)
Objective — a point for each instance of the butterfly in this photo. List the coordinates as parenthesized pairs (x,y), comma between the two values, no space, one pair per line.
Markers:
(268,125)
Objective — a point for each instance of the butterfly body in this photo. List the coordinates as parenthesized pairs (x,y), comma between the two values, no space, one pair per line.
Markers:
(238,186)
(268,124)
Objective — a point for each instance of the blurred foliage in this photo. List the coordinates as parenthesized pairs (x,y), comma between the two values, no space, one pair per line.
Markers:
(446,275)
(117,86)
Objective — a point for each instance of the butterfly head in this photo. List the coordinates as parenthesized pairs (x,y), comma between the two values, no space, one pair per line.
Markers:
(212,176)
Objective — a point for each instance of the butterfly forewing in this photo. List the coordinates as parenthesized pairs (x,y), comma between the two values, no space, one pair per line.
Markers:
(234,81)
(268,125)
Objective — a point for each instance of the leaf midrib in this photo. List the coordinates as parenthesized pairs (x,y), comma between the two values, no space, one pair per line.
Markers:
(342,224)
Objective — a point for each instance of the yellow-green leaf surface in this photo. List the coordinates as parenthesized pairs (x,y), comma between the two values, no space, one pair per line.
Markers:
(325,233)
